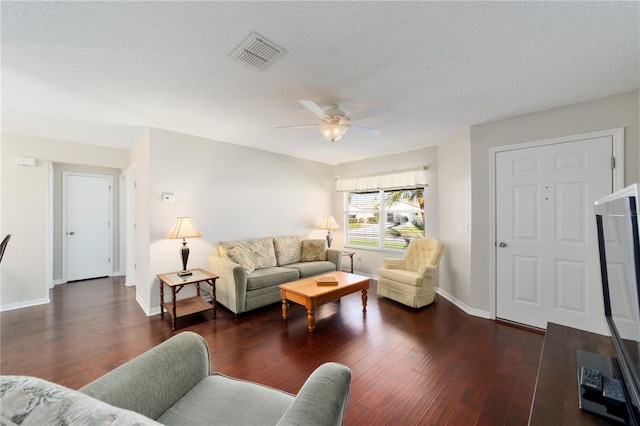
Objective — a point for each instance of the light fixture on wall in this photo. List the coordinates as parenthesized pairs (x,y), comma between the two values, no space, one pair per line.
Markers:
(184,228)
(333,131)
(329,223)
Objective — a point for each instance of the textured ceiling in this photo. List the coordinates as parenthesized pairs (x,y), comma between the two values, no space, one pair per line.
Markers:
(96,72)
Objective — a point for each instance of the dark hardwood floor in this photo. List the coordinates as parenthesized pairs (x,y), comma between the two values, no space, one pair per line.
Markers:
(434,366)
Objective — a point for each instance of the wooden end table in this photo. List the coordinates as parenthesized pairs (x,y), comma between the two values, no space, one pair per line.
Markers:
(350,254)
(190,305)
(309,294)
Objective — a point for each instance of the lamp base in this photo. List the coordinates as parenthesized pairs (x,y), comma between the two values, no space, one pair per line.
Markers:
(184,273)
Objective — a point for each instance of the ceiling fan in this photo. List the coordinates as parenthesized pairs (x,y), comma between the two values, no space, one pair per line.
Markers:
(335,122)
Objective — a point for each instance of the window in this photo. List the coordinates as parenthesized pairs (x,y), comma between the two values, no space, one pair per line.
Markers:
(385,219)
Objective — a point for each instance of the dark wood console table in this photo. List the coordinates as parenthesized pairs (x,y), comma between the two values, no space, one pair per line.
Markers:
(555,401)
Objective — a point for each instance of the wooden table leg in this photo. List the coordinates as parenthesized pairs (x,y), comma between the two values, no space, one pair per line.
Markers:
(285,309)
(311,320)
(161,299)
(213,296)
(173,308)
(364,300)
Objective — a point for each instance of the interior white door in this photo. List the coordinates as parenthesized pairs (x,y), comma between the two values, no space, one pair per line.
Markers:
(547,266)
(88,226)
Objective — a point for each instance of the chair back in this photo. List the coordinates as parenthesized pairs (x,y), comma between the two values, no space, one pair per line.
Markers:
(423,252)
(3,245)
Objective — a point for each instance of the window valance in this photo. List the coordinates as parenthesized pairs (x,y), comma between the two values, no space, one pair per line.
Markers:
(384,180)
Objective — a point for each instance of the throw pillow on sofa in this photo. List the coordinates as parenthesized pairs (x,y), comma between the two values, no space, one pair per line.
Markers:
(242,258)
(313,250)
(262,253)
(288,249)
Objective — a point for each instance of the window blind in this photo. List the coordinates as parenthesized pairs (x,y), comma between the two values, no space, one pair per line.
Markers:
(384,180)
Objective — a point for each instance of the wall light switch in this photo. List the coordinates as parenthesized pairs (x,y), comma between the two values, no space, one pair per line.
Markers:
(168,197)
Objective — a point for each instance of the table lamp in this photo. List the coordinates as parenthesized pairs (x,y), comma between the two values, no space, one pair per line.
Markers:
(329,223)
(184,228)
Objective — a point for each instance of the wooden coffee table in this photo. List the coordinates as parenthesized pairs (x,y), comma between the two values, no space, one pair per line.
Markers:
(309,294)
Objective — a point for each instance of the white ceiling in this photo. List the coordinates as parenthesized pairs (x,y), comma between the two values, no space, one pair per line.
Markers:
(95,72)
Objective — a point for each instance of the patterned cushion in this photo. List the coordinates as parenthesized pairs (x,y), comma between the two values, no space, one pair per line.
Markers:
(288,249)
(313,250)
(242,258)
(262,253)
(32,401)
(225,246)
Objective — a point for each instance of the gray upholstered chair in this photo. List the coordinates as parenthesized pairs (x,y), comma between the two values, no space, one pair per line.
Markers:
(411,280)
(172,384)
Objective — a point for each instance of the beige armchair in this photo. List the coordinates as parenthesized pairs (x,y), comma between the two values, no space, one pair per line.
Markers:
(411,280)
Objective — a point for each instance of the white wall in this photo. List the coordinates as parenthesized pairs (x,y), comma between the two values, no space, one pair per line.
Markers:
(25,195)
(606,113)
(454,159)
(231,193)
(371,259)
(140,159)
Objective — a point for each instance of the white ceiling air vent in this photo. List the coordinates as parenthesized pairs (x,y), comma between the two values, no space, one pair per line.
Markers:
(257,52)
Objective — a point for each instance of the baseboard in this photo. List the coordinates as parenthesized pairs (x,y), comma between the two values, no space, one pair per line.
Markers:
(144,306)
(35,302)
(469,310)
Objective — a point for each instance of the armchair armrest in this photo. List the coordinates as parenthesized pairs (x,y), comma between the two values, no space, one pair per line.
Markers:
(149,384)
(393,263)
(231,287)
(428,271)
(335,256)
(322,400)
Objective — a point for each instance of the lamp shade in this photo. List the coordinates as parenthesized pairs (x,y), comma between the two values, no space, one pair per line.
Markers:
(183,228)
(329,223)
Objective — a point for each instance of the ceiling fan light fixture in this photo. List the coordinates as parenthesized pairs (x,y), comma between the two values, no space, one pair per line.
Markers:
(333,132)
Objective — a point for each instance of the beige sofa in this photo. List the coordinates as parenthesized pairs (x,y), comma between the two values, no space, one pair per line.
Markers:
(251,271)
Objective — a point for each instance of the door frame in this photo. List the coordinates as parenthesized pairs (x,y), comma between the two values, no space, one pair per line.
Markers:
(617,136)
(65,258)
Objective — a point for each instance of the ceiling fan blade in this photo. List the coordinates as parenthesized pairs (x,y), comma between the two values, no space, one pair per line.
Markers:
(380,109)
(364,130)
(314,108)
(298,126)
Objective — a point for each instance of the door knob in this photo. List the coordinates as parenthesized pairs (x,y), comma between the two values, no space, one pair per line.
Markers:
(72,233)
(502,244)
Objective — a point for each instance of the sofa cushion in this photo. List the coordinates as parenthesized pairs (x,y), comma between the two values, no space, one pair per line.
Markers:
(309,269)
(225,246)
(288,249)
(403,276)
(222,400)
(32,401)
(268,277)
(262,253)
(313,250)
(242,258)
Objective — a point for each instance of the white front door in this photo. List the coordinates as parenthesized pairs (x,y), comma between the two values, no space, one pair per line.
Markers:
(547,265)
(88,225)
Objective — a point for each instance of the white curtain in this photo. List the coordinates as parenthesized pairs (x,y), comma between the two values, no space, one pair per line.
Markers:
(384,180)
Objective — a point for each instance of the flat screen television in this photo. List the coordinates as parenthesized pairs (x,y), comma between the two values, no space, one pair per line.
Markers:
(619,247)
